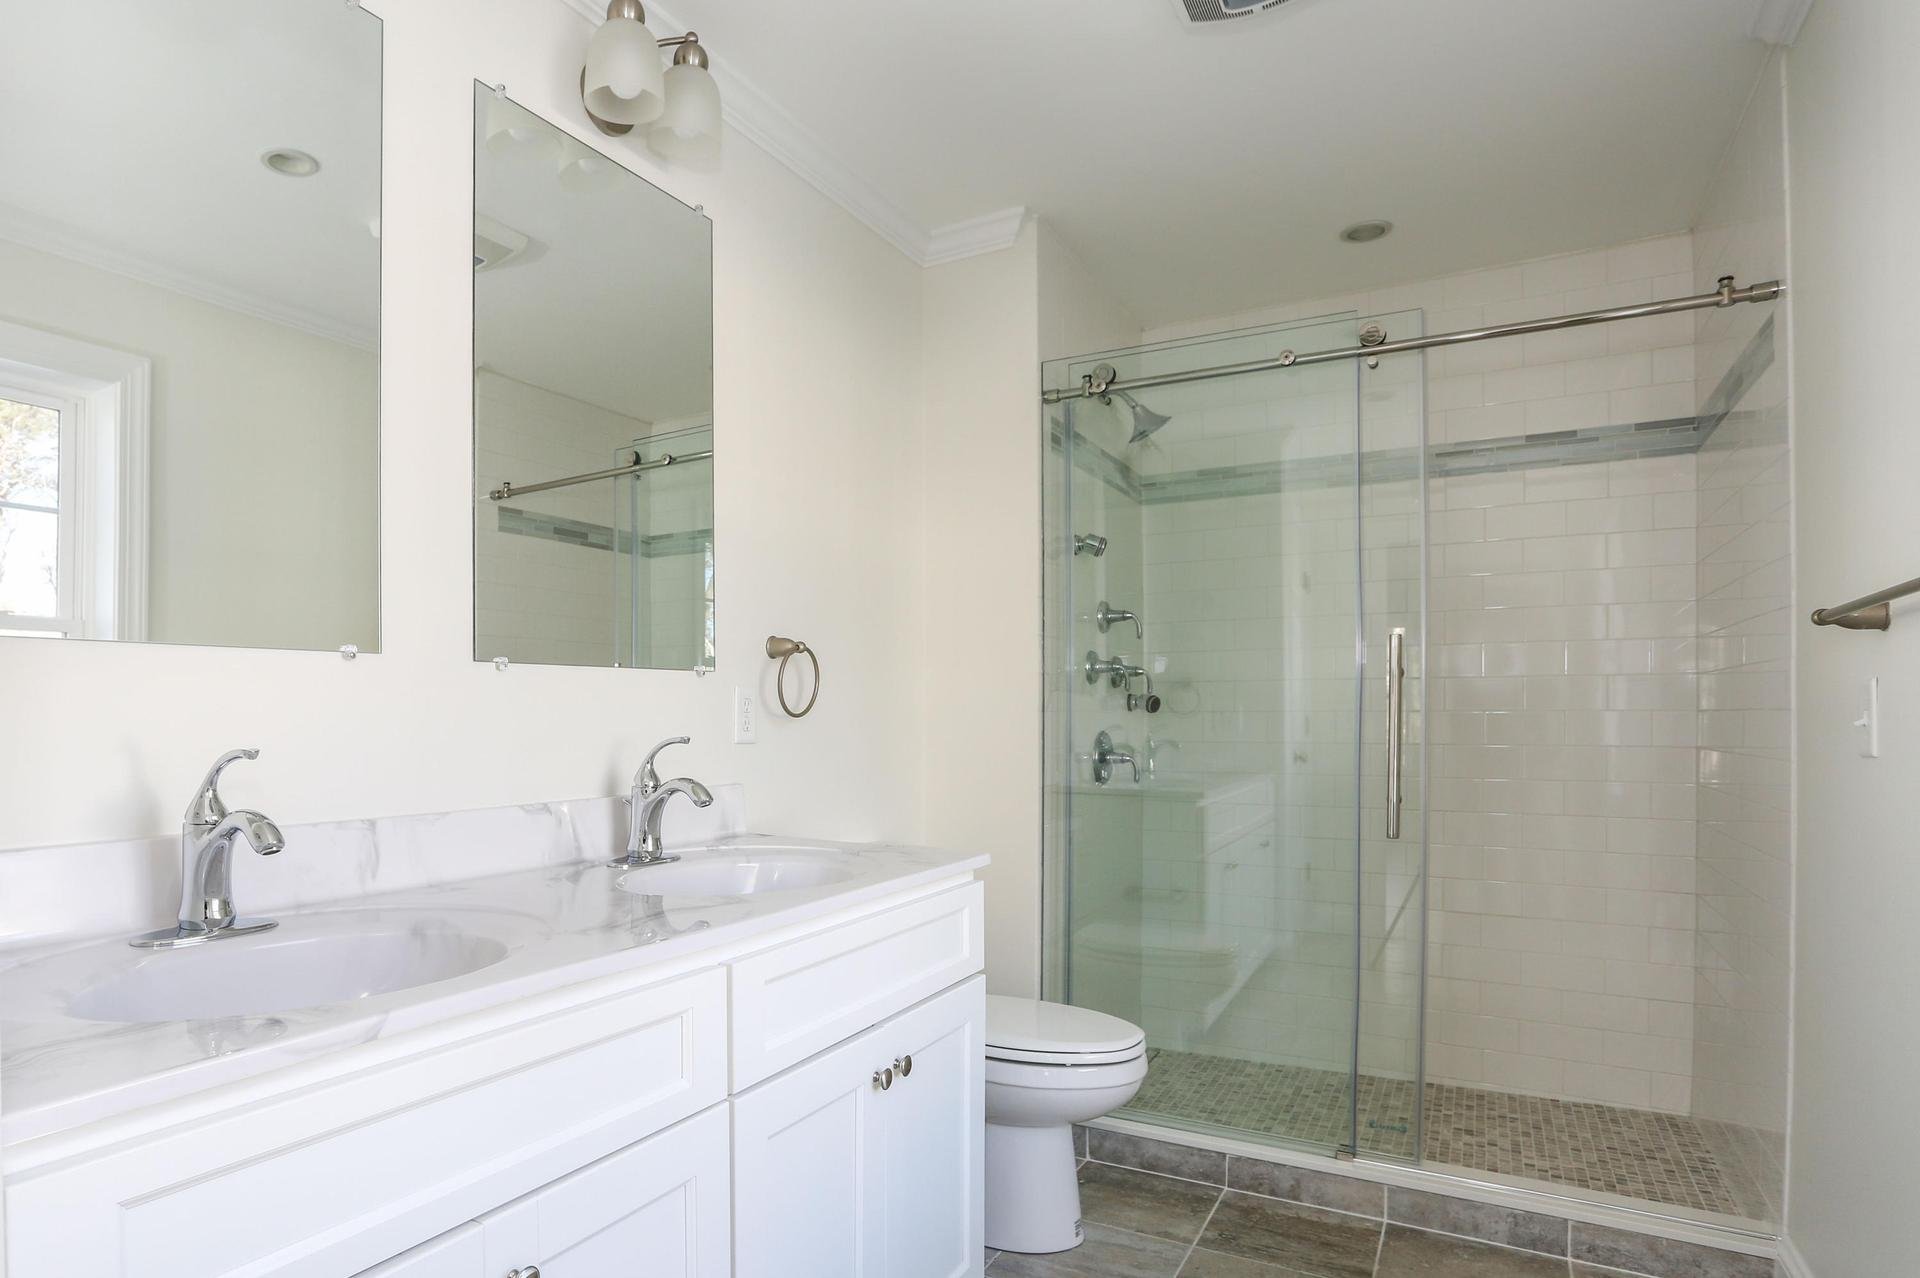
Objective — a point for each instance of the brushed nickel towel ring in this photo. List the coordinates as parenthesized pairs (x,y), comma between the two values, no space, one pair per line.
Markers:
(783,651)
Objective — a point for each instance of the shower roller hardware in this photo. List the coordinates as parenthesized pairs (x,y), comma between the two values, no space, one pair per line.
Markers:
(1104,382)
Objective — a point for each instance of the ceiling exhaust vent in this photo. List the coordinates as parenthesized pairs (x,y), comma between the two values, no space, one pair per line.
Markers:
(1204,12)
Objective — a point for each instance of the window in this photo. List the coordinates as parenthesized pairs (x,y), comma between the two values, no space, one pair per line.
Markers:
(73,488)
(38,511)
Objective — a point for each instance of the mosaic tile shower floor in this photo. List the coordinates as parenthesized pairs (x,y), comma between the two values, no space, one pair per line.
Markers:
(1662,1158)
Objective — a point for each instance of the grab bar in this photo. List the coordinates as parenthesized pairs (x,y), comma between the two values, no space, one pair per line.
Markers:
(1868,612)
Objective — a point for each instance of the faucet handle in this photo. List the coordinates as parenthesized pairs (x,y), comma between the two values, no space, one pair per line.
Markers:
(646,779)
(206,807)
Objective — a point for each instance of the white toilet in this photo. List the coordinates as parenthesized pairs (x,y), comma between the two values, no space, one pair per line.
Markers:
(1049,1066)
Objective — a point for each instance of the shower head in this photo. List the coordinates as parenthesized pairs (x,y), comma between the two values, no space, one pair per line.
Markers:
(1145,420)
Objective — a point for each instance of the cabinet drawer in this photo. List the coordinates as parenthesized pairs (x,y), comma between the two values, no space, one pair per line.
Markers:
(658,1209)
(340,1175)
(799,998)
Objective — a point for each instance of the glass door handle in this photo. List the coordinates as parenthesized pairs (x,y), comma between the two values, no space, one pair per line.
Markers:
(1396,724)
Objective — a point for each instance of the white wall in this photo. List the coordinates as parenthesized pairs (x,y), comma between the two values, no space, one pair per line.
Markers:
(817,372)
(979,556)
(987,321)
(262,504)
(1852,99)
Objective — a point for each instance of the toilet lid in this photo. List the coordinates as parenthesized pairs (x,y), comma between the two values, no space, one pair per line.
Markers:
(1027,1029)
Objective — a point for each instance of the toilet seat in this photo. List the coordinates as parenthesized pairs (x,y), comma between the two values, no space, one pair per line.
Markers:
(1066,1078)
(1032,1032)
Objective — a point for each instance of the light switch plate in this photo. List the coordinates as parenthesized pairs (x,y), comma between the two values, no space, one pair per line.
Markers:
(1869,721)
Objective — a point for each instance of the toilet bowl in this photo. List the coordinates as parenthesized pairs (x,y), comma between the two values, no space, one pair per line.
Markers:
(1048,1067)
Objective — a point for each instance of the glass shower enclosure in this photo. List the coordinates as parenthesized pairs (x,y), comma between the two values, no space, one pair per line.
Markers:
(1233,565)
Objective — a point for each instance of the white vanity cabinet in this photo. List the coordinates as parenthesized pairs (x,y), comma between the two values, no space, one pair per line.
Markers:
(717,1114)
(458,1253)
(656,1209)
(865,1161)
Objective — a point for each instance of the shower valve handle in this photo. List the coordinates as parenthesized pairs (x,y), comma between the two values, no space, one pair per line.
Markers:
(1105,615)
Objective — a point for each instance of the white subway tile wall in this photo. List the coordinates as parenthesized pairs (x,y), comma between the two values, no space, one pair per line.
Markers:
(1561,687)
(538,599)
(1746,625)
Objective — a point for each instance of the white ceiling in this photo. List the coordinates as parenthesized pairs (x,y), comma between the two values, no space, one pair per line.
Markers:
(1199,172)
(611,303)
(133,138)
(1205,171)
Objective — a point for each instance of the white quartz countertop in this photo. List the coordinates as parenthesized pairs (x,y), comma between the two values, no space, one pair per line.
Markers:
(559,925)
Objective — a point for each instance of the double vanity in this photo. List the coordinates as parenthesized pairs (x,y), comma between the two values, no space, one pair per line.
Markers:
(543,1041)
(548,1071)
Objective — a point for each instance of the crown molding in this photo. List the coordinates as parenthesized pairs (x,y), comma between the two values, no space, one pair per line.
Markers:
(988,233)
(756,117)
(43,236)
(1778,21)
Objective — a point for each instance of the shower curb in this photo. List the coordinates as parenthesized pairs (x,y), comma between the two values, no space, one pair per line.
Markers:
(1621,1239)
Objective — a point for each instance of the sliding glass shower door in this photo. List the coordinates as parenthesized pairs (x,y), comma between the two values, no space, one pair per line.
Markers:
(1228,561)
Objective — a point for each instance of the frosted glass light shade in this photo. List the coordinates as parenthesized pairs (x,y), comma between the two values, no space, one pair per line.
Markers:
(625,83)
(689,129)
(585,171)
(510,127)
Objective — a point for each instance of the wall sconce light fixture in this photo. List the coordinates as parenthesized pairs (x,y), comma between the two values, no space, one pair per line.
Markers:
(623,85)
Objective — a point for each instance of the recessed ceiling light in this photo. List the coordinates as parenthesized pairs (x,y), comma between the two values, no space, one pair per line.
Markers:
(288,162)
(1366,232)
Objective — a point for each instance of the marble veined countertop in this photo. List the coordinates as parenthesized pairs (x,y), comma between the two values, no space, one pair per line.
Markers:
(555,926)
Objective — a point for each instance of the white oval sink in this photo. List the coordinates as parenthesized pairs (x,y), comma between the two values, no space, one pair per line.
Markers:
(306,962)
(736,874)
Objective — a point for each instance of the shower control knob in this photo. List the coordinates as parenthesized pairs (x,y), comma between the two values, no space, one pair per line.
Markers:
(1105,756)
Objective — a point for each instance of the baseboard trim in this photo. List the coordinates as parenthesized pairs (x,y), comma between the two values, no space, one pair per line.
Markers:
(1726,1237)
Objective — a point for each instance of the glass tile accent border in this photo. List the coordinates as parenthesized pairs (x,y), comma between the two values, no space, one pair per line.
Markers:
(1620,442)
(578,532)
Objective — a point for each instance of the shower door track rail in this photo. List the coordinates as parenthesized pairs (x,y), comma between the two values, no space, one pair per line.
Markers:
(635,467)
(1727,295)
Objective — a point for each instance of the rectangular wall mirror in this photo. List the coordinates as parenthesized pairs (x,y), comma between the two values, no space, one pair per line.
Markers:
(189,244)
(593,405)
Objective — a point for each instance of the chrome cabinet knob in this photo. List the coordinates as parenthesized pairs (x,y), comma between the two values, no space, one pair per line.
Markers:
(903,1066)
(531,1271)
(883,1079)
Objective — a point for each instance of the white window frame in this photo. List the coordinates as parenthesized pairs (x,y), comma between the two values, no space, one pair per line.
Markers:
(105,402)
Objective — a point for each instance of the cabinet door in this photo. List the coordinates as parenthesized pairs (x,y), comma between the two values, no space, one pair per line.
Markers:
(837,1177)
(934,1133)
(804,1144)
(458,1253)
(657,1209)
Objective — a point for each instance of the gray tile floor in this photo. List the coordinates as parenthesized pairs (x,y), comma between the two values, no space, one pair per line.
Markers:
(1142,1225)
(1669,1159)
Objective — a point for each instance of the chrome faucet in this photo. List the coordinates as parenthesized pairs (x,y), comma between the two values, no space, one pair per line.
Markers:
(647,801)
(207,833)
